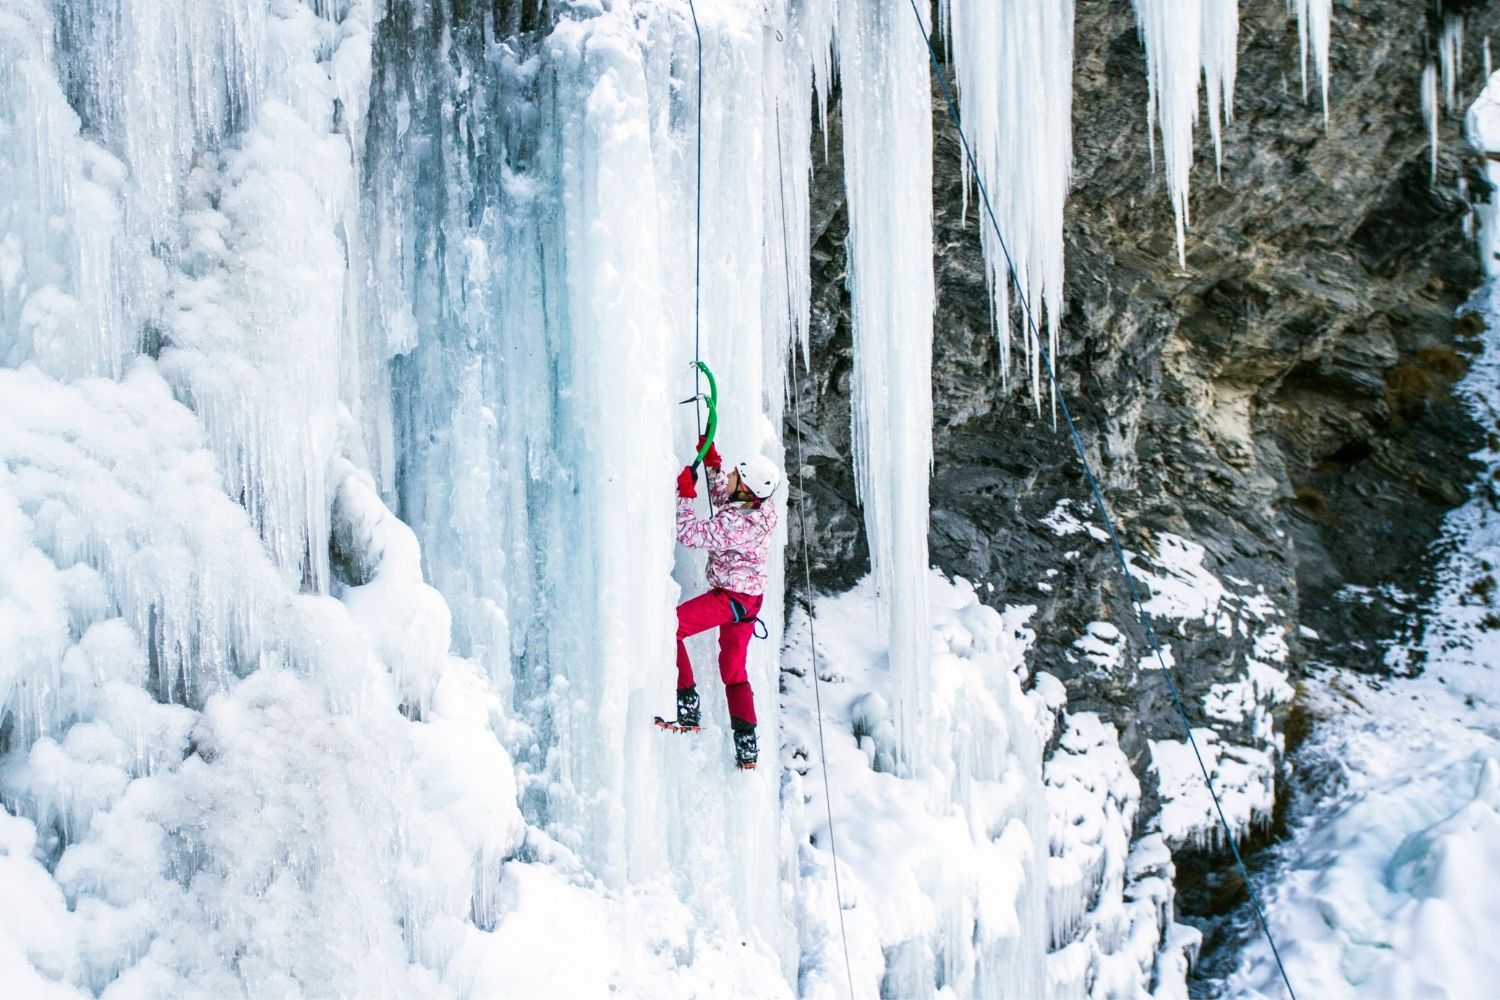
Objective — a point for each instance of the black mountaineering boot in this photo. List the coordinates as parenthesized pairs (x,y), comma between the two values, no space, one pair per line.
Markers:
(689,718)
(744,745)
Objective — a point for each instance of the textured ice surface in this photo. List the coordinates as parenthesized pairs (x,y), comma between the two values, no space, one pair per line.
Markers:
(943,871)
(1110,901)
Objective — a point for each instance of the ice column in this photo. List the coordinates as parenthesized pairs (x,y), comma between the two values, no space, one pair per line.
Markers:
(1482,129)
(887,110)
(1014,64)
(1444,76)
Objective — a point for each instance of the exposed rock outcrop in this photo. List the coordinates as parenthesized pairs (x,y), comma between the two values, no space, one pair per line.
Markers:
(1282,401)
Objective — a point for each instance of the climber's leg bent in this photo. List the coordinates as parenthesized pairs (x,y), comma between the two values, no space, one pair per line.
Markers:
(734,643)
(699,614)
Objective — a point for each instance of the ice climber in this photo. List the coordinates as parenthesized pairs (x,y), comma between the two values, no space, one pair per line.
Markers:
(737,537)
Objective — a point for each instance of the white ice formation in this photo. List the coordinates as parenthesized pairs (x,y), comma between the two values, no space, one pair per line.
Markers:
(1482,129)
(1014,69)
(887,108)
(1186,42)
(1314,24)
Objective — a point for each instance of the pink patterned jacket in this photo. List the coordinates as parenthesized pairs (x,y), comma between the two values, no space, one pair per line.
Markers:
(737,537)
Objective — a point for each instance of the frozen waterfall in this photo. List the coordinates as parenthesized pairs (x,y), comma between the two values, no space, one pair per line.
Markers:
(342,351)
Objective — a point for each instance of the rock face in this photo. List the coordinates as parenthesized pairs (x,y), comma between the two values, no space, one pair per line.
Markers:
(1283,400)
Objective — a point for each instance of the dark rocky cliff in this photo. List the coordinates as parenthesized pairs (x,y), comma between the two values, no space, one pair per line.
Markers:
(1282,401)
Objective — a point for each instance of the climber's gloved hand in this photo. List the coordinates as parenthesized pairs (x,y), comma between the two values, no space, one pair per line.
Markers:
(711,458)
(686,480)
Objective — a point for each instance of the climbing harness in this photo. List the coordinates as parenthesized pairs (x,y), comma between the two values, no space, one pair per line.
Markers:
(812,635)
(742,614)
(1098,494)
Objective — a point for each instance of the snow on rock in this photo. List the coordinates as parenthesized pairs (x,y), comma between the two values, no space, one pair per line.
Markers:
(1110,900)
(943,872)
(1244,779)
(1383,886)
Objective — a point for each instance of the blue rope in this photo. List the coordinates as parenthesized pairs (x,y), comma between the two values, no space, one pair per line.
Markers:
(1098,494)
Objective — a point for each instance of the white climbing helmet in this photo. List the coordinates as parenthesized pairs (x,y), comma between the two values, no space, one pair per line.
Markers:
(759,475)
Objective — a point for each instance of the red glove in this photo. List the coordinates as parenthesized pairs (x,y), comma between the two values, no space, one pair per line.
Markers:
(686,479)
(711,458)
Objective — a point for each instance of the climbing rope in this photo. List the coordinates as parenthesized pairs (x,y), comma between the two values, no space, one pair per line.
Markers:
(812,635)
(698,234)
(1098,494)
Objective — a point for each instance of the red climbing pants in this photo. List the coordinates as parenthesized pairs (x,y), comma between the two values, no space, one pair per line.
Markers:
(714,610)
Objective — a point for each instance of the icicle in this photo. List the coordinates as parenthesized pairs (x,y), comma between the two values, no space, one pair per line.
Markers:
(1014,67)
(1220,58)
(1313,24)
(1430,113)
(887,110)
(1450,58)
(1172,33)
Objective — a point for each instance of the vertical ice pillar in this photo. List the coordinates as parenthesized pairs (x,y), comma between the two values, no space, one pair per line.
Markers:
(1431,111)
(1014,64)
(1482,129)
(887,112)
(614,410)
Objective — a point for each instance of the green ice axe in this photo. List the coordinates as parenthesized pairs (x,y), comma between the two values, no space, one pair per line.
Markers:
(713,412)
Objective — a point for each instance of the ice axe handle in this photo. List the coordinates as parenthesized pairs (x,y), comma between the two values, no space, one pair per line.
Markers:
(713,416)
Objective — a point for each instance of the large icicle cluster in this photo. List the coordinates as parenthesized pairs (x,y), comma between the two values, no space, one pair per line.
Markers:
(1014,64)
(1184,40)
